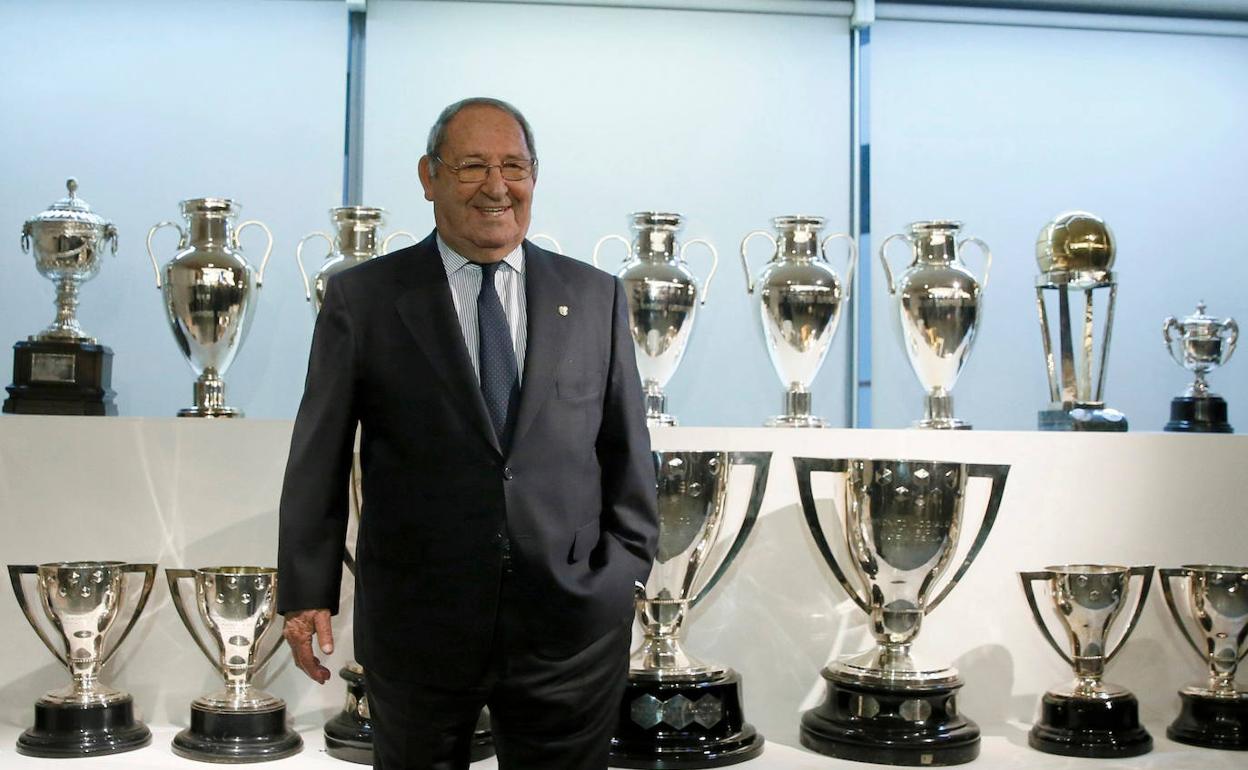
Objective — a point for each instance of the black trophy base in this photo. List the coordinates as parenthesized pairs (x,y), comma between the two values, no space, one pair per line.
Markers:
(1215,723)
(70,378)
(1082,419)
(349,735)
(63,731)
(237,736)
(891,726)
(673,724)
(1192,414)
(1083,727)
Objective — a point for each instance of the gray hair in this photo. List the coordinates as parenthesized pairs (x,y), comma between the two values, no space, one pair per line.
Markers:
(437,134)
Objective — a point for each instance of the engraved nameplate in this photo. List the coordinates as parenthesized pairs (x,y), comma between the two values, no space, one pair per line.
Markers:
(52,367)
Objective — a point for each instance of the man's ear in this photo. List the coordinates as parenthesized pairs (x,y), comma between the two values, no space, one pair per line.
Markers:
(425,169)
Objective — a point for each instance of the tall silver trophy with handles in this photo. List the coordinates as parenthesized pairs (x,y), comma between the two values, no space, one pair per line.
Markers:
(679,711)
(1199,343)
(663,300)
(800,299)
(356,240)
(899,522)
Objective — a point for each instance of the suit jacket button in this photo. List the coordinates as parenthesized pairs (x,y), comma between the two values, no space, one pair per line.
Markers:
(507,474)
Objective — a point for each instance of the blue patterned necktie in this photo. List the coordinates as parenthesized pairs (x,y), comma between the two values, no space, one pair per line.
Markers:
(500,383)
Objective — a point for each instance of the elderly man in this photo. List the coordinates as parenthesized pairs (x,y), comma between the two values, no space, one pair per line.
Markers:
(509,492)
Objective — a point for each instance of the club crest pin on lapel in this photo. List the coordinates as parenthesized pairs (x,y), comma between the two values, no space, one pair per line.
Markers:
(563,310)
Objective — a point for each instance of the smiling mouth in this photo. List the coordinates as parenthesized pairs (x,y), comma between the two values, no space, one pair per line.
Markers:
(493,211)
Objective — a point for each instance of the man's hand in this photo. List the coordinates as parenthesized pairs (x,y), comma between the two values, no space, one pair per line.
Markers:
(298,630)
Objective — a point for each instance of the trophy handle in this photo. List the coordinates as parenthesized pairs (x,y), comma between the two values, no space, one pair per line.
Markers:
(173,576)
(998,474)
(267,249)
(888,271)
(110,235)
(1028,579)
(983,282)
(15,577)
(804,466)
(307,286)
(1145,574)
(706,284)
(26,230)
(851,262)
(761,462)
(385,243)
(1167,577)
(745,263)
(151,254)
(355,495)
(603,240)
(1171,323)
(545,237)
(148,571)
(1230,334)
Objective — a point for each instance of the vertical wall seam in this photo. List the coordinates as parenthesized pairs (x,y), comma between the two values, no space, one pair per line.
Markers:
(860,205)
(353,136)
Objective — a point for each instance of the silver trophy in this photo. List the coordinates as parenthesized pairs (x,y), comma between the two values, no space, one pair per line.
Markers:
(1199,343)
(82,600)
(210,295)
(682,711)
(355,241)
(663,299)
(800,299)
(241,723)
(1212,612)
(1075,294)
(900,522)
(1088,717)
(939,302)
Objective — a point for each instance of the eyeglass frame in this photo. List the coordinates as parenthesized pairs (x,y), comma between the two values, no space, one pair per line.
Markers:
(532,162)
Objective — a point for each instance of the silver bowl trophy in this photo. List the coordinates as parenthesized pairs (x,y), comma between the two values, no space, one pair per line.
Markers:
(900,522)
(800,299)
(210,295)
(663,299)
(62,369)
(355,241)
(1215,713)
(677,711)
(939,304)
(1200,344)
(240,723)
(1089,717)
(1075,294)
(82,600)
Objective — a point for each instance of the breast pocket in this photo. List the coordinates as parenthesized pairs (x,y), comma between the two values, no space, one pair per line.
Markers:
(577,379)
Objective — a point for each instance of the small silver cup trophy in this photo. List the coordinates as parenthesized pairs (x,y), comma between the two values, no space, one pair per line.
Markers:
(210,295)
(356,230)
(1212,612)
(82,601)
(663,300)
(679,711)
(1199,343)
(1089,717)
(800,300)
(241,723)
(939,303)
(900,522)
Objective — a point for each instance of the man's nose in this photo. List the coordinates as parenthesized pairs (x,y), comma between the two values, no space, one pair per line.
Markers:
(494,185)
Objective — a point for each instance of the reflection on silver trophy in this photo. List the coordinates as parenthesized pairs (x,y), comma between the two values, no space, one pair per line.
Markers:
(236,608)
(663,299)
(900,522)
(939,302)
(800,299)
(1075,294)
(1199,343)
(1089,718)
(355,241)
(681,711)
(82,600)
(1211,610)
(210,295)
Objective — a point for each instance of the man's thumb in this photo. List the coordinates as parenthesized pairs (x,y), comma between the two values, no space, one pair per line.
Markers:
(324,631)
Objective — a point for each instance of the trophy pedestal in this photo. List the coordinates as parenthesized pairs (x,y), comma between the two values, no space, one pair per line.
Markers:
(689,724)
(1198,414)
(65,730)
(349,735)
(796,412)
(237,736)
(1083,418)
(1215,723)
(71,378)
(482,738)
(889,725)
(1090,727)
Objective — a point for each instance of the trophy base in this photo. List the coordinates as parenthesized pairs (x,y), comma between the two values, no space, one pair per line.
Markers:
(1196,414)
(796,421)
(891,726)
(683,724)
(237,736)
(1087,727)
(660,421)
(70,378)
(63,731)
(1098,419)
(210,412)
(1215,723)
(942,423)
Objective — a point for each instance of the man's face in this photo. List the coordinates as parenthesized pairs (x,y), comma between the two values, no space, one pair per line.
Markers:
(483,221)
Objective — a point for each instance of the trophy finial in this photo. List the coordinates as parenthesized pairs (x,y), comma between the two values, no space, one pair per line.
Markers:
(1200,307)
(71,184)
(1075,241)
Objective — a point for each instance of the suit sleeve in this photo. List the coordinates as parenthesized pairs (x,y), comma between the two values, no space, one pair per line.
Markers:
(314,505)
(629,507)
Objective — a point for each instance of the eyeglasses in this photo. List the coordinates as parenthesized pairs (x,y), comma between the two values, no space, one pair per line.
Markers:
(473,172)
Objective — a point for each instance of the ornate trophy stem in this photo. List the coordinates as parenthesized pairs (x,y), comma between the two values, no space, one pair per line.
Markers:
(656,405)
(938,412)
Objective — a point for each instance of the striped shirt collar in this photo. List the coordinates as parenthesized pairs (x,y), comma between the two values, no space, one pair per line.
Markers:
(452,260)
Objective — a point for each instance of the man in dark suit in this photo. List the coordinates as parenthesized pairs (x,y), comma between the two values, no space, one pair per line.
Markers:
(509,491)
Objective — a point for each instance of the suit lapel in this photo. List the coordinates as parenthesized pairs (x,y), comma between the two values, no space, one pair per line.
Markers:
(545,293)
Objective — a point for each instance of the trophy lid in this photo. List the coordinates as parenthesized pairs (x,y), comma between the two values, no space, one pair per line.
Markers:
(1075,242)
(70,209)
(649,220)
(1199,324)
(209,207)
